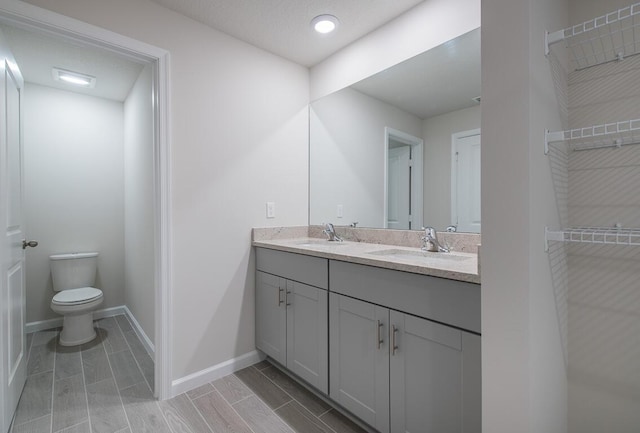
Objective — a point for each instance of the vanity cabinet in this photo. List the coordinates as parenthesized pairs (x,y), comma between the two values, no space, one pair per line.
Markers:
(400,351)
(397,371)
(291,313)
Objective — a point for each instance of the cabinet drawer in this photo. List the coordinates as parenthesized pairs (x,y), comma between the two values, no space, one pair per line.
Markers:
(297,267)
(451,302)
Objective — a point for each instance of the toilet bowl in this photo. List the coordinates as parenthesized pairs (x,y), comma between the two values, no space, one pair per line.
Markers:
(73,276)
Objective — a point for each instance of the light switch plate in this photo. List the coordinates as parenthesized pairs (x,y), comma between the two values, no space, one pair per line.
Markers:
(271,209)
(340,211)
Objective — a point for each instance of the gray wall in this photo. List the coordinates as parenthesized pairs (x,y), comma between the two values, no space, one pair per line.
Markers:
(239,137)
(523,364)
(139,252)
(74,192)
(347,150)
(436,132)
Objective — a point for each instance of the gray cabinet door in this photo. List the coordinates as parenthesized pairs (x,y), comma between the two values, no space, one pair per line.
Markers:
(307,334)
(271,316)
(427,384)
(359,359)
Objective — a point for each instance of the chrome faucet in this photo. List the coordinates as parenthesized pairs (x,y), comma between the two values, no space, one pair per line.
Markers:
(431,243)
(330,231)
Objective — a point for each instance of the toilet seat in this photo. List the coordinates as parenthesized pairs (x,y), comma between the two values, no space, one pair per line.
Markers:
(78,296)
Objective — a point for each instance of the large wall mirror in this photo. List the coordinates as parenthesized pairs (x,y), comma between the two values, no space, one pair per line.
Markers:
(401,149)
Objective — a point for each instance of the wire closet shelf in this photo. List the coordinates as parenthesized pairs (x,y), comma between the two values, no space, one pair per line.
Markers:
(595,235)
(616,134)
(608,38)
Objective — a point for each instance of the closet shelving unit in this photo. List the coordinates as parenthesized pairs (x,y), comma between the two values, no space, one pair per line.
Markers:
(605,39)
(595,235)
(616,134)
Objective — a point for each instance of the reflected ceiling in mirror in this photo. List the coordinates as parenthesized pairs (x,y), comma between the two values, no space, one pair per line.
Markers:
(430,99)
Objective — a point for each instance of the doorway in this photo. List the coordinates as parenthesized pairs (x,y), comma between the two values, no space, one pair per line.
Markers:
(465,181)
(77,33)
(402,180)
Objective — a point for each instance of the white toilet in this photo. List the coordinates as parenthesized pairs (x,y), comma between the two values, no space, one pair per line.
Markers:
(73,277)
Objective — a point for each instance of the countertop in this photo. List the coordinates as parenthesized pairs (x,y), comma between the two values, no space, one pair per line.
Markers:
(458,266)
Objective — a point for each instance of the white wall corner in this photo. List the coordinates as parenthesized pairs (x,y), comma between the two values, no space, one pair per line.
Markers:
(215,372)
(142,336)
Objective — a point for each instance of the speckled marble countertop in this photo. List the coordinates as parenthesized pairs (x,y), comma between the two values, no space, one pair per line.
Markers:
(457,265)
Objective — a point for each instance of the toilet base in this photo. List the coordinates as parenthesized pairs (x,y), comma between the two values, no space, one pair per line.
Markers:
(77,329)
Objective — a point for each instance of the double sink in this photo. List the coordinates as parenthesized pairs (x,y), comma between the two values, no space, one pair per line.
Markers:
(392,253)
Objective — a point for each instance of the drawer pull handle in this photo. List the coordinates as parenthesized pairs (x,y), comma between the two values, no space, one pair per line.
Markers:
(394,346)
(280,290)
(379,339)
(287,298)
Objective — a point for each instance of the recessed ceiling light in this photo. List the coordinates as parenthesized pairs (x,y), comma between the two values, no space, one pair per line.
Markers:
(76,78)
(324,23)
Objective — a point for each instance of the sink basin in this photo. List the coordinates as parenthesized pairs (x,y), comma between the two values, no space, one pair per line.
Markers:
(319,243)
(413,255)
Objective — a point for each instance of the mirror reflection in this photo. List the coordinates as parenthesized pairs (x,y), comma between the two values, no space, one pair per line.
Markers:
(401,149)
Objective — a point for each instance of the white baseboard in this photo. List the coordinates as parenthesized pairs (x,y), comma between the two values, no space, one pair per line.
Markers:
(142,336)
(215,372)
(57,322)
(99,314)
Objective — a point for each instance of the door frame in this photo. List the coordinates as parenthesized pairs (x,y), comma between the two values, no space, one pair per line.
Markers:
(40,20)
(454,169)
(417,152)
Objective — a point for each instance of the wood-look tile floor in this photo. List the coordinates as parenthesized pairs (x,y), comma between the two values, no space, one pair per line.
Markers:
(105,387)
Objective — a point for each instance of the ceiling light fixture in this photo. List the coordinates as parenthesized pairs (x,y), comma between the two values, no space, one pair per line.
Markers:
(76,78)
(324,23)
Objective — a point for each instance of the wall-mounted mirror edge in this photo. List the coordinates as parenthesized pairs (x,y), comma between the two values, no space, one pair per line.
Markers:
(366,140)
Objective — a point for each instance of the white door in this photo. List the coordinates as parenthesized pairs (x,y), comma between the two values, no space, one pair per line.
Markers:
(399,187)
(465,189)
(12,284)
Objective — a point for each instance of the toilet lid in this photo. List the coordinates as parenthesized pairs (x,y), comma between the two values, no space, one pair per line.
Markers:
(77,296)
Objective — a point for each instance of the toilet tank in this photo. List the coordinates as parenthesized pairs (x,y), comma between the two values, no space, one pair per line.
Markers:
(73,270)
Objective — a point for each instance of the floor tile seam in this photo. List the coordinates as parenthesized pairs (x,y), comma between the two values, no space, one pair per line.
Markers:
(126,416)
(238,401)
(313,416)
(225,398)
(74,425)
(275,413)
(325,412)
(160,410)
(297,401)
(232,408)
(86,393)
(13,425)
(135,359)
(281,388)
(197,411)
(131,386)
(213,388)
(53,383)
(326,424)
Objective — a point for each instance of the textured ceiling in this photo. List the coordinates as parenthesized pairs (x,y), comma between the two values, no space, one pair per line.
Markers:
(438,81)
(37,55)
(283,26)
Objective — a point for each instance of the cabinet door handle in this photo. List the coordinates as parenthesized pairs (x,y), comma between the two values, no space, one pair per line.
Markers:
(280,290)
(379,339)
(286,298)
(394,346)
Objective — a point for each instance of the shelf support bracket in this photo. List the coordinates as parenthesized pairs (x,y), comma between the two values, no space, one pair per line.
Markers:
(552,38)
(552,137)
(550,235)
